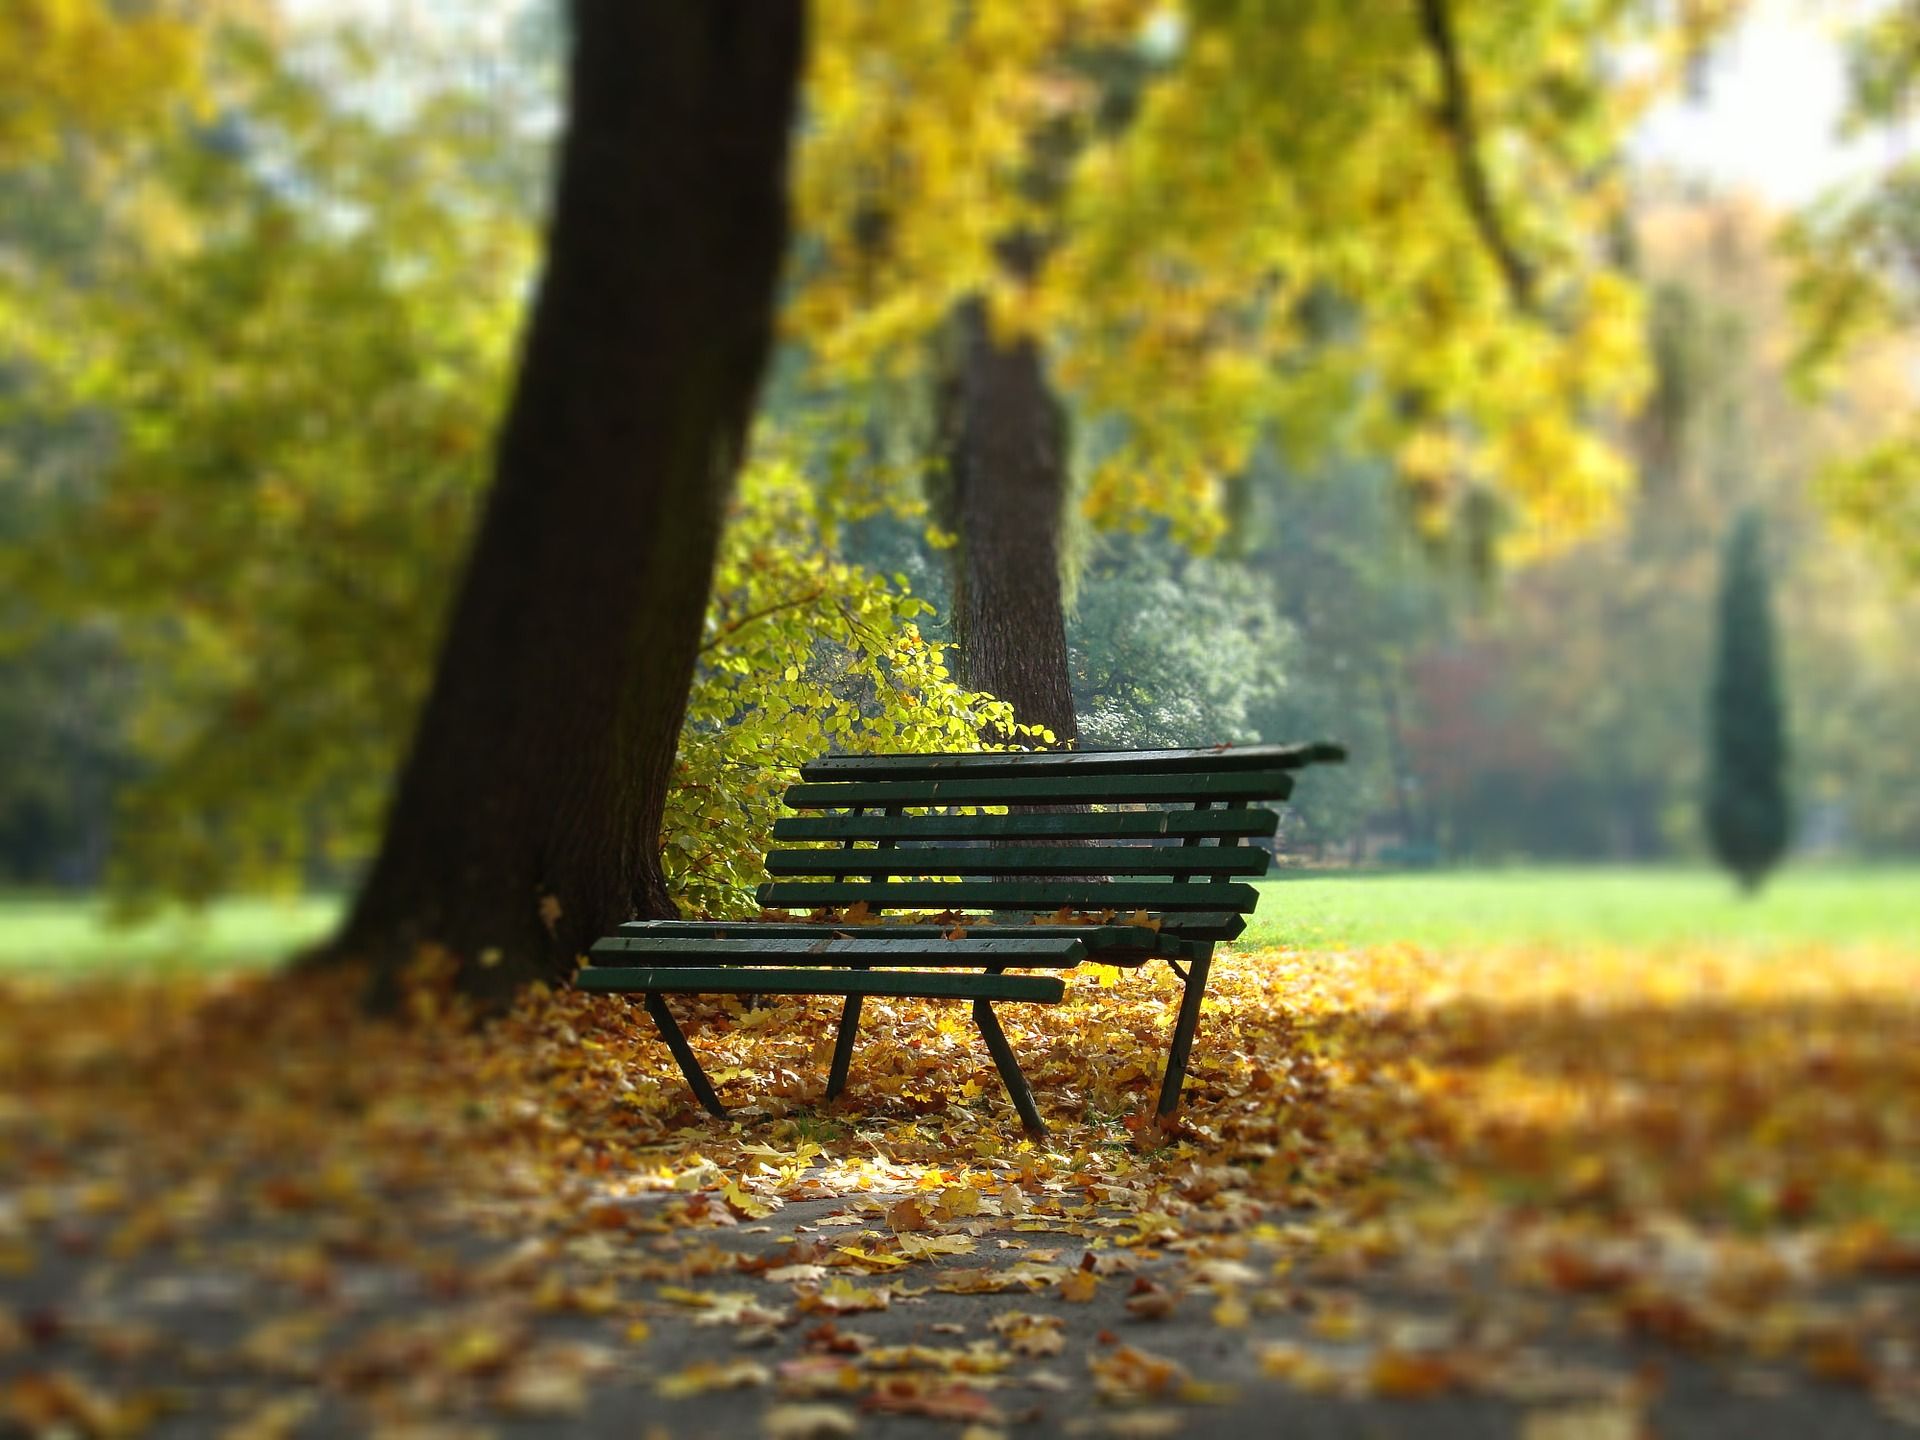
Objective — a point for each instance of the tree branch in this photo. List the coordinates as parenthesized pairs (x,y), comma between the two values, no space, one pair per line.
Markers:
(1456,113)
(734,627)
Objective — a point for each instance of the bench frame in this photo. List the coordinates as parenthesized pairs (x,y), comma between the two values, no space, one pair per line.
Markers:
(857,982)
(708,957)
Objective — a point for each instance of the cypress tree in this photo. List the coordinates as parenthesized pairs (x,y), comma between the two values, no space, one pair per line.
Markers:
(1746,802)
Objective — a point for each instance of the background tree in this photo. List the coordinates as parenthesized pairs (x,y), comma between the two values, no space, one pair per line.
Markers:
(1858,283)
(1346,227)
(1588,663)
(208,489)
(1746,801)
(84,85)
(1175,649)
(1004,494)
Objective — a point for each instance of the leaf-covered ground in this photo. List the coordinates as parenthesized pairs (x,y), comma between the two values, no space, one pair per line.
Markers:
(1550,1191)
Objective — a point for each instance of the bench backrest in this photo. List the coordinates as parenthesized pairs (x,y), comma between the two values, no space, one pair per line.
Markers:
(902,846)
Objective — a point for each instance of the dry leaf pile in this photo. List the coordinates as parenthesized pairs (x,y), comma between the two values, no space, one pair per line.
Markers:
(1715,1152)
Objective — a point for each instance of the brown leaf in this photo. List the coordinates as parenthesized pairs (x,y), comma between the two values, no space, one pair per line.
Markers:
(912,1395)
(1149,1301)
(1840,1360)
(1127,1375)
(908,1215)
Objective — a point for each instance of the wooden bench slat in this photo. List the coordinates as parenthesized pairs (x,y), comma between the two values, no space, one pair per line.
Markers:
(1056,952)
(1082,825)
(717,980)
(1094,896)
(1178,935)
(1024,860)
(1074,762)
(1045,790)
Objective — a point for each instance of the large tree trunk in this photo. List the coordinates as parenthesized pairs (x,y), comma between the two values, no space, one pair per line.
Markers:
(1006,498)
(526,819)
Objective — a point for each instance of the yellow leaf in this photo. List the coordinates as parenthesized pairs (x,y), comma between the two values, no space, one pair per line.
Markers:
(1080,1287)
(1231,1313)
(676,1295)
(752,1206)
(711,1375)
(921,1247)
(870,1257)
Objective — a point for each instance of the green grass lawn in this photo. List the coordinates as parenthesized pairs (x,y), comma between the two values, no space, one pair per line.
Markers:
(1594,904)
(66,934)
(1520,906)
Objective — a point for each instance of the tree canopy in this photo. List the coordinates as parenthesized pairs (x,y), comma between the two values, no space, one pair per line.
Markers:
(1858,285)
(1382,226)
(1363,296)
(71,66)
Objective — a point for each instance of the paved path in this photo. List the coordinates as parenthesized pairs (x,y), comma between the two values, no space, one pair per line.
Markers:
(333,1325)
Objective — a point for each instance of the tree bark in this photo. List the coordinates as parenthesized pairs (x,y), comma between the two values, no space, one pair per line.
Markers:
(1006,499)
(526,820)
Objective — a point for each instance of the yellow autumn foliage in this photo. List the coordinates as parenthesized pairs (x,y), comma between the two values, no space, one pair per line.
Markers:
(81,64)
(1277,240)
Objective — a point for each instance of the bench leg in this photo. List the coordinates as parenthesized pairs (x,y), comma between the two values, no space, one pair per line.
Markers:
(843,1047)
(1183,1029)
(689,1062)
(1017,1088)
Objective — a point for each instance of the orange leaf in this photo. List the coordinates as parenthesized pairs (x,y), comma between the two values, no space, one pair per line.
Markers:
(1409,1375)
(1079,1287)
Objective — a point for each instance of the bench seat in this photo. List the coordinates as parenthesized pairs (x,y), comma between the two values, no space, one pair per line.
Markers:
(1109,944)
(912,984)
(1061,952)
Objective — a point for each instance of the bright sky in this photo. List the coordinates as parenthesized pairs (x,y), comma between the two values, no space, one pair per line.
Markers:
(1772,107)
(1767,121)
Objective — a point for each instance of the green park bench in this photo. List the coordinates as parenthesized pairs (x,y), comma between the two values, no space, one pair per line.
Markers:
(906,836)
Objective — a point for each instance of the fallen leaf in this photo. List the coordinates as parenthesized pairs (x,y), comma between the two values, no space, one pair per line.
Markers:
(840,1297)
(903,1395)
(1586,1422)
(710,1375)
(543,1390)
(1080,1287)
(1231,1312)
(907,1215)
(1126,1375)
(1033,1335)
(807,1422)
(1407,1375)
(1151,1301)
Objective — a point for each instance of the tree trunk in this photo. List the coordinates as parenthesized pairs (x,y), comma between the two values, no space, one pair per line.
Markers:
(526,819)
(1006,498)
